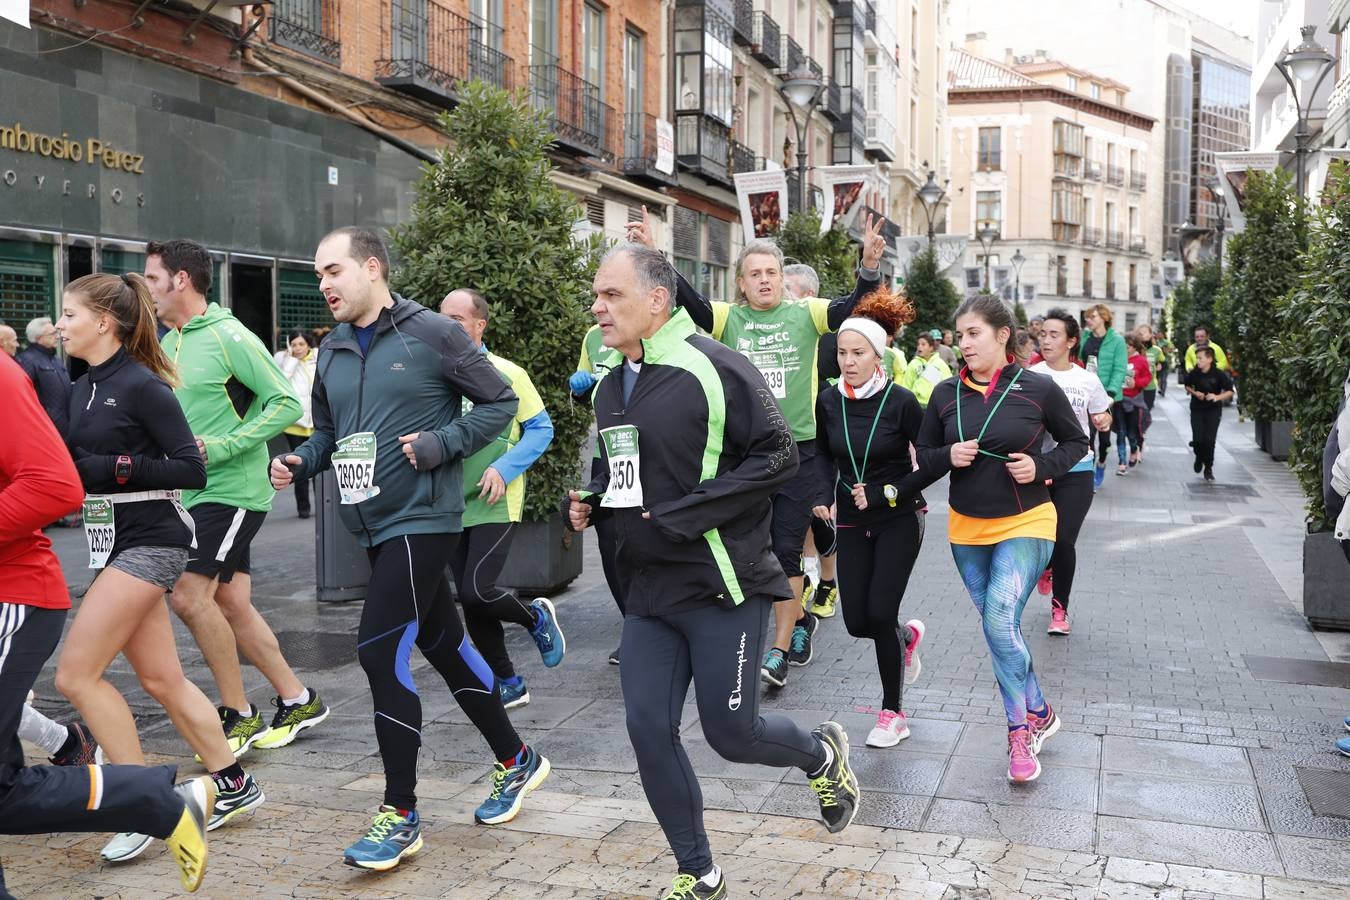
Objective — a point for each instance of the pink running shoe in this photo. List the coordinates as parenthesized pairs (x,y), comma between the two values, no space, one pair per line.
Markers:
(1022,763)
(912,665)
(892,728)
(1059,619)
(1045,584)
(1042,729)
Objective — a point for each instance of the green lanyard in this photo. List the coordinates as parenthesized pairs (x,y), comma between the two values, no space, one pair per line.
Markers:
(960,435)
(858,473)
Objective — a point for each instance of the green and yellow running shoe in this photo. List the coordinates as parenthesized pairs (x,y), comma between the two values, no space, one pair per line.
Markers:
(291,720)
(687,887)
(241,731)
(823,600)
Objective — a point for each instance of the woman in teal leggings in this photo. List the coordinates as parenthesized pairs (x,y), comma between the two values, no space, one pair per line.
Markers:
(986,426)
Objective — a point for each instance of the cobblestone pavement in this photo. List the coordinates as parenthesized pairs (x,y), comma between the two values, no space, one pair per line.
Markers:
(1177,773)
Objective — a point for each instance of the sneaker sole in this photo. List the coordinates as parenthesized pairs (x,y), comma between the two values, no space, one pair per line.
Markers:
(212,826)
(295,732)
(387,864)
(538,778)
(613,661)
(522,700)
(1039,739)
(130,856)
(1051,629)
(562,639)
(770,679)
(793,662)
(208,803)
(883,743)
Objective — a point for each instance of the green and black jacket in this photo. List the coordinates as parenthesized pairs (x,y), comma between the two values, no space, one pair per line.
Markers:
(713,448)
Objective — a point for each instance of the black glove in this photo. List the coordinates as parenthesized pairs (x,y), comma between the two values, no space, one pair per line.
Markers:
(428,451)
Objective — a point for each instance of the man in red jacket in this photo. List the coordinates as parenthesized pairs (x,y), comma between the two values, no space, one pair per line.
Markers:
(38,484)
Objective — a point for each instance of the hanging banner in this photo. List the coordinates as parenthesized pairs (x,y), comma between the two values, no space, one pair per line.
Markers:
(665,147)
(763,200)
(845,189)
(15,11)
(1323,160)
(1233,169)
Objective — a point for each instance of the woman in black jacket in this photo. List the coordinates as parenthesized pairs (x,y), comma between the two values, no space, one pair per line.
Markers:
(134,451)
(866,425)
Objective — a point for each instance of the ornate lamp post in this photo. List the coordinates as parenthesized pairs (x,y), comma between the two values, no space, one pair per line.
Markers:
(801,89)
(1308,64)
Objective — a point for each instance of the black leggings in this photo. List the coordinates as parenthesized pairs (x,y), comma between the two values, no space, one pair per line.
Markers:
(1125,424)
(719,650)
(1205,431)
(407,602)
(301,484)
(1102,439)
(1072,496)
(873,570)
(477,562)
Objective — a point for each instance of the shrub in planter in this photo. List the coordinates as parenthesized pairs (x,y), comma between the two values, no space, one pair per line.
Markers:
(934,297)
(1192,304)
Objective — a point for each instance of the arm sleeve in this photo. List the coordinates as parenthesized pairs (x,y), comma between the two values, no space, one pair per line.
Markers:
(316,454)
(842,308)
(39,481)
(827,468)
(278,406)
(536,433)
(1062,424)
(472,375)
(699,307)
(765,458)
(933,451)
(161,416)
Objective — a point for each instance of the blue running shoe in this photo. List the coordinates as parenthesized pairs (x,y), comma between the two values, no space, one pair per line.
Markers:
(1347,723)
(1343,745)
(509,787)
(391,837)
(514,692)
(1098,476)
(546,633)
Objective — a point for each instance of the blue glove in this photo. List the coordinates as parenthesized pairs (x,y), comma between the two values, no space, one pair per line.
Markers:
(581,382)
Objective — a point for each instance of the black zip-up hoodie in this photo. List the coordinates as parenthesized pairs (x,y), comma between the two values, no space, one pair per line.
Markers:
(121,408)
(1035,406)
(713,449)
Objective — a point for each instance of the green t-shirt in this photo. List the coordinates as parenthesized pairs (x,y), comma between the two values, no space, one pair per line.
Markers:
(510,507)
(782,343)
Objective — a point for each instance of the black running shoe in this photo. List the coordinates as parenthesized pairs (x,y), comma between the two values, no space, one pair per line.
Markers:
(614,657)
(687,887)
(836,787)
(233,803)
(799,648)
(80,748)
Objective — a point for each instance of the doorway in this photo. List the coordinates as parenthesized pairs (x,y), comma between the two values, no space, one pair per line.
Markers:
(251,300)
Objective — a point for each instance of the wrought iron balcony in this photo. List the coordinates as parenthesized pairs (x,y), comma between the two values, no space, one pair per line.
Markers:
(766,45)
(431,49)
(1115,175)
(1110,290)
(309,26)
(793,58)
(870,17)
(815,68)
(1092,237)
(1092,171)
(703,146)
(743,159)
(743,24)
(830,107)
(1114,240)
(1138,181)
(638,156)
(575,112)
(1087,288)
(1138,245)
(858,114)
(881,136)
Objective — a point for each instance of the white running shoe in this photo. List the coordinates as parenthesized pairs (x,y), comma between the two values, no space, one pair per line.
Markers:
(125,846)
(912,665)
(892,728)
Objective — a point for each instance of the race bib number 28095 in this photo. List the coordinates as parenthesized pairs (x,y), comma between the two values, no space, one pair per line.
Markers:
(354,464)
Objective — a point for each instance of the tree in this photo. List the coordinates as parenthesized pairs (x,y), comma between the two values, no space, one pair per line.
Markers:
(1020,315)
(933,295)
(1264,260)
(1312,347)
(488,217)
(1193,304)
(834,255)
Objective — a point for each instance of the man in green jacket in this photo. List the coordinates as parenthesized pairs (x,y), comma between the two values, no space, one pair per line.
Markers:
(1202,340)
(1104,353)
(235,399)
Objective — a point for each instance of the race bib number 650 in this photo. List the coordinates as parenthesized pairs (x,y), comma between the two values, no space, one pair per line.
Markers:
(625,471)
(354,463)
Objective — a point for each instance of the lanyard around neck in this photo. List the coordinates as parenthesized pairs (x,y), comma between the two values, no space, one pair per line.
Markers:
(960,435)
(858,472)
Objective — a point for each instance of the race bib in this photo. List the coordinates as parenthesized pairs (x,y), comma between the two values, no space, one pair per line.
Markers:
(770,365)
(625,478)
(932,374)
(1092,364)
(99,530)
(354,463)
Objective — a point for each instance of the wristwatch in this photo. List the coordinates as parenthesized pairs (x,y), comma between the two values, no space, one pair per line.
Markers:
(891,494)
(122,469)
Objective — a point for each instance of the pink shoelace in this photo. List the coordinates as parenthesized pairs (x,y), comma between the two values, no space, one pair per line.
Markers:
(1017,743)
(886,717)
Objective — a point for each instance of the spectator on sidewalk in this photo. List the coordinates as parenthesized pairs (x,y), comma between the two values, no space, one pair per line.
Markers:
(48,373)
(9,341)
(297,362)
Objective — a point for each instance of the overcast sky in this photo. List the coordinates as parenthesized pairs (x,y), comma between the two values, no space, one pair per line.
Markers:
(1238,15)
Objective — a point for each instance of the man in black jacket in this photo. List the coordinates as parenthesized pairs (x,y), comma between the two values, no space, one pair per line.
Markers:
(694,447)
(50,379)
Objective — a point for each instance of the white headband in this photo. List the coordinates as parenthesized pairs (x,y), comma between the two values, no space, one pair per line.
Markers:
(875,334)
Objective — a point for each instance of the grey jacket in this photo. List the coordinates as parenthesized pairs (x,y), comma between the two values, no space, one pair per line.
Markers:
(412,380)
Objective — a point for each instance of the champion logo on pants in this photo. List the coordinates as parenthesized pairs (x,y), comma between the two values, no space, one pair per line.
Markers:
(734,701)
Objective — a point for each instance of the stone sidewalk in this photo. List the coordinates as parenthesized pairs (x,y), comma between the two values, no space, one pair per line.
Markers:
(1178,772)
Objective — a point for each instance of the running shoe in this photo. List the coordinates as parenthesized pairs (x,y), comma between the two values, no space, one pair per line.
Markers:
(1122,469)
(614,656)
(548,637)
(514,692)
(391,837)
(291,720)
(825,600)
(1059,619)
(1347,723)
(1343,745)
(125,846)
(1209,473)
(775,667)
(1042,728)
(687,887)
(1098,476)
(799,649)
(241,731)
(1022,763)
(912,664)
(80,748)
(1046,583)
(233,803)
(187,843)
(836,787)
(1197,466)
(891,729)
(808,591)
(509,787)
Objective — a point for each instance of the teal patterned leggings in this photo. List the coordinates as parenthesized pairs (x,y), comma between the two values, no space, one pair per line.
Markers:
(1000,577)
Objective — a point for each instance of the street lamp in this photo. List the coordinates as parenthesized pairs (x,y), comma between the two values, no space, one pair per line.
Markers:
(986,236)
(1215,185)
(932,194)
(1307,64)
(801,89)
(1017,260)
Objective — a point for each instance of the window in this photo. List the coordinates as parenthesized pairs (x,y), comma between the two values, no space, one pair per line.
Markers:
(593,47)
(489,13)
(1120,98)
(1110,280)
(991,149)
(1111,155)
(1130,318)
(543,32)
(1134,222)
(914,35)
(1134,162)
(1134,293)
(1066,210)
(1068,138)
(633,68)
(989,208)
(1087,277)
(703,63)
(1073,83)
(1062,276)
(1096,91)
(1087,212)
(1110,222)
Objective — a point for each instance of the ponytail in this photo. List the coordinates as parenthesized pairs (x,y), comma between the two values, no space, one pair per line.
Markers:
(127,300)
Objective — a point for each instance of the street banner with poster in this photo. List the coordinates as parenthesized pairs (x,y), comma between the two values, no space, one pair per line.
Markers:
(1323,161)
(1233,169)
(845,189)
(665,147)
(763,200)
(15,11)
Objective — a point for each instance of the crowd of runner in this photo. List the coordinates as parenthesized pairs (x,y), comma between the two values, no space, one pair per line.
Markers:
(758,464)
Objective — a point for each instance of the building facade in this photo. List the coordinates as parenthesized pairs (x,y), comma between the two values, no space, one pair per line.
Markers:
(1050,157)
(921,97)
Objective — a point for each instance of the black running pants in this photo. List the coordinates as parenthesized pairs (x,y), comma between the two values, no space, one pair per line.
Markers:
(1205,431)
(1072,496)
(477,562)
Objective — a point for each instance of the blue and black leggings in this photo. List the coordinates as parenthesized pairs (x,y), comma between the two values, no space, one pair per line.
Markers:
(1000,577)
(408,602)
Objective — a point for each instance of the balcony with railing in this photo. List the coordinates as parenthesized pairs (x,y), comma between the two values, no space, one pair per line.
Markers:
(743,23)
(1138,181)
(1092,237)
(870,17)
(581,122)
(1115,175)
(1111,289)
(766,43)
(881,135)
(743,158)
(1092,170)
(1138,245)
(703,146)
(830,103)
(431,49)
(793,57)
(1114,240)
(1087,287)
(307,26)
(638,158)
(858,114)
